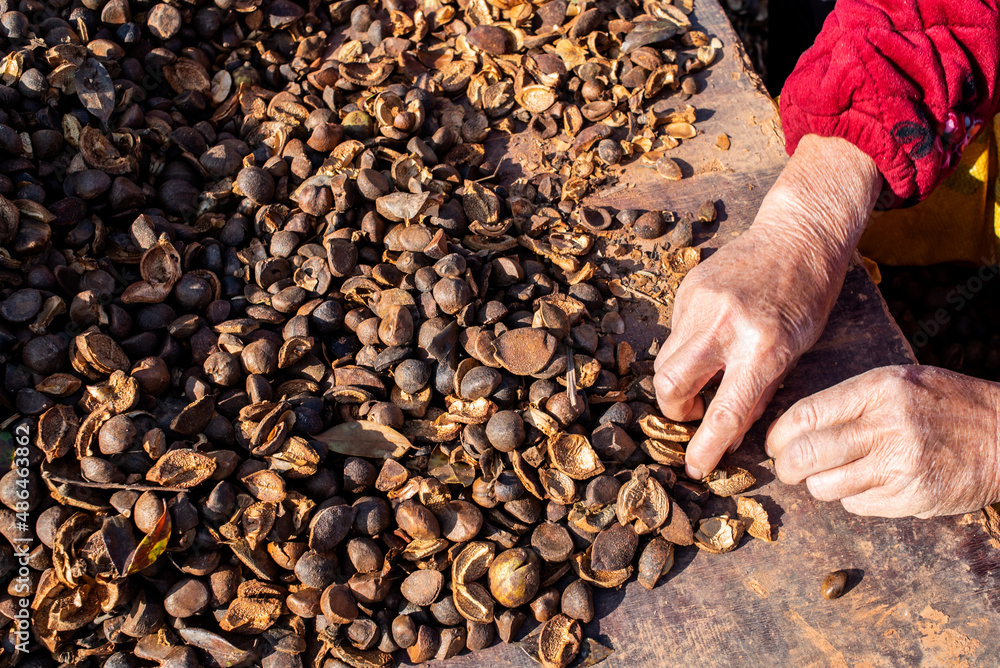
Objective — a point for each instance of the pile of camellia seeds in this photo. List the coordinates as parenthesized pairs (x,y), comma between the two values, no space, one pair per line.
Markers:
(307,383)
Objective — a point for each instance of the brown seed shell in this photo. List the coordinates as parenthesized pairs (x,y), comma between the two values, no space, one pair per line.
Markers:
(729,481)
(754,514)
(473,601)
(656,426)
(614,548)
(573,455)
(834,585)
(182,468)
(643,501)
(719,534)
(524,351)
(559,642)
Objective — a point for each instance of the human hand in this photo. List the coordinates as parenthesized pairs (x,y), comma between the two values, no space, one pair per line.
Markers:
(895,441)
(762,300)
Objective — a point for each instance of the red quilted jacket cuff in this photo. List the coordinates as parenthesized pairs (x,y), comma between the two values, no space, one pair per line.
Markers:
(909,83)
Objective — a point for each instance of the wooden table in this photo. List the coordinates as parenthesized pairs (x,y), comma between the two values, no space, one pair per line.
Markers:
(922,592)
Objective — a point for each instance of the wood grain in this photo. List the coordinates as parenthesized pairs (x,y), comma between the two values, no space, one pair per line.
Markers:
(922,592)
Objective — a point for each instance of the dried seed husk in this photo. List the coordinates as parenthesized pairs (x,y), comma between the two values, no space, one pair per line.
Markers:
(649,32)
(677,529)
(102,352)
(643,501)
(729,481)
(604,579)
(659,427)
(266,486)
(558,486)
(669,169)
(669,453)
(719,534)
(95,89)
(473,601)
(754,515)
(251,615)
(573,455)
(367,74)
(182,468)
(57,430)
(472,562)
(524,351)
(559,642)
(657,558)
(537,98)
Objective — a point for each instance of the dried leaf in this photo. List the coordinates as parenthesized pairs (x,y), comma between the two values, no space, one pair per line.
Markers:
(365,439)
(95,89)
(224,652)
(119,541)
(152,546)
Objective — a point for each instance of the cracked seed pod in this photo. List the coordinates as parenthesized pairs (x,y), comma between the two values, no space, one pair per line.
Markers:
(754,515)
(719,534)
(643,501)
(559,642)
(729,481)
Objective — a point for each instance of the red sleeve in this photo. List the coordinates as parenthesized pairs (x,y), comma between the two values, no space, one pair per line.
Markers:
(909,82)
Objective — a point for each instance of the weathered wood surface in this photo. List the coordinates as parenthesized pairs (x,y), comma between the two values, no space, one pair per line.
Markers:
(923,593)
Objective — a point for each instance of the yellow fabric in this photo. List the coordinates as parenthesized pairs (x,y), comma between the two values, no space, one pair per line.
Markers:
(959,222)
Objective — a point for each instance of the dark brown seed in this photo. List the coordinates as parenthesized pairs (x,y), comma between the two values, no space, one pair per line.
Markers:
(304,603)
(417,520)
(479,383)
(256,183)
(422,587)
(491,39)
(834,585)
(426,645)
(578,601)
(650,225)
(614,548)
(365,555)
(338,604)
(546,604)
(116,435)
(509,623)
(452,294)
(505,430)
(186,598)
(552,541)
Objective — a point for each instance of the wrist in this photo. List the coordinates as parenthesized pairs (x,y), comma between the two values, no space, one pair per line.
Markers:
(823,198)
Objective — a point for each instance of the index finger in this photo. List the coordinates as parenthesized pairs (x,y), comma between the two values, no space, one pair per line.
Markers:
(726,419)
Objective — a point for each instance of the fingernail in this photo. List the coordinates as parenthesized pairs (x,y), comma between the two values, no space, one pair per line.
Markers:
(694,474)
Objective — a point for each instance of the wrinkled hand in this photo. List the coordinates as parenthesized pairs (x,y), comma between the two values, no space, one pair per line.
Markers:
(762,300)
(894,442)
(751,309)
